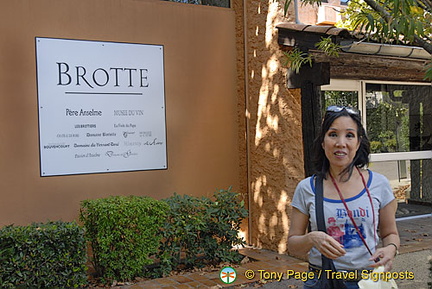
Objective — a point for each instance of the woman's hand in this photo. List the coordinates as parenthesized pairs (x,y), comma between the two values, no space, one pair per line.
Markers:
(386,256)
(326,244)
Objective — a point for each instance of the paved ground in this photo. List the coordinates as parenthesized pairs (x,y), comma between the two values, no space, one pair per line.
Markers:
(407,210)
(263,272)
(416,262)
(416,250)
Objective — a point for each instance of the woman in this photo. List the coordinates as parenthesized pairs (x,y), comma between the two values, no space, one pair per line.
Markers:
(342,150)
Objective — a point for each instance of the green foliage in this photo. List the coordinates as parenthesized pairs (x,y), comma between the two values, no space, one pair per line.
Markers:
(295,59)
(341,98)
(388,124)
(387,117)
(328,46)
(200,231)
(123,233)
(359,16)
(128,234)
(428,69)
(43,255)
(396,21)
(393,22)
(287,3)
(390,21)
(376,146)
(388,141)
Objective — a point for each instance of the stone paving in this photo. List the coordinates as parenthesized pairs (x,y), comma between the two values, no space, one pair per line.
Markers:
(263,260)
(415,233)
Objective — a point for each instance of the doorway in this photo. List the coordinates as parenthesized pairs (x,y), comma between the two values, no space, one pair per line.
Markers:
(398,120)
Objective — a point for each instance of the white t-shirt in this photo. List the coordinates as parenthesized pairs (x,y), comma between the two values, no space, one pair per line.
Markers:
(338,223)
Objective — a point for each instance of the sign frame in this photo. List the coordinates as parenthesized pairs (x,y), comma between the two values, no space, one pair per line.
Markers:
(101,106)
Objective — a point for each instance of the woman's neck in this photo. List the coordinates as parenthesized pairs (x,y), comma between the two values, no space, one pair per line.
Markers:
(338,175)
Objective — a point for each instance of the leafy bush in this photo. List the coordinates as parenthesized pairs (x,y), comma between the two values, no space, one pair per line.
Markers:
(200,231)
(49,255)
(123,233)
(375,146)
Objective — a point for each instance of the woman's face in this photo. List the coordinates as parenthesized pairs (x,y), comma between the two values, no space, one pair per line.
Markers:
(341,142)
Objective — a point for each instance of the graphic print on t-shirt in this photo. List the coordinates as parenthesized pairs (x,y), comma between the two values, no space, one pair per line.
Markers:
(342,229)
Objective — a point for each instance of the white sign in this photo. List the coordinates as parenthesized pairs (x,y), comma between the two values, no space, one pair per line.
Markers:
(101,106)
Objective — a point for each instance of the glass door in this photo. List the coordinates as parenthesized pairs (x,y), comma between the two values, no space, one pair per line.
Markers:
(342,93)
(398,120)
(399,126)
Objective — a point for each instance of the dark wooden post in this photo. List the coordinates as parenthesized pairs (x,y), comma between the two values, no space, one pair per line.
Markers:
(426,143)
(309,79)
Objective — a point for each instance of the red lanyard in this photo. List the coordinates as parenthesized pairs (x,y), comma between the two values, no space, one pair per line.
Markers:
(349,212)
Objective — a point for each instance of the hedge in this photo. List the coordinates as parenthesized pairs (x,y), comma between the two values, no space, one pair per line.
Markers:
(43,255)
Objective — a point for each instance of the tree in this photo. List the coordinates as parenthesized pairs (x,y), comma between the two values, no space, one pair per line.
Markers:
(389,21)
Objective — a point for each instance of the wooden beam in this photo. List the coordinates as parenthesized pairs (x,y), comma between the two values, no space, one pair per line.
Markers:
(372,67)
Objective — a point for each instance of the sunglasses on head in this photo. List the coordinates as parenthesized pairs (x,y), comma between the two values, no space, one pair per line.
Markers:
(337,108)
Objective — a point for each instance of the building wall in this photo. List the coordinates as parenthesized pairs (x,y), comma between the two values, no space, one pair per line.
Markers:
(237,7)
(201,101)
(272,123)
(231,121)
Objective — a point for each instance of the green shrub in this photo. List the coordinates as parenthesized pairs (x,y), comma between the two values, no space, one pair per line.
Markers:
(375,146)
(48,255)
(225,215)
(123,233)
(200,231)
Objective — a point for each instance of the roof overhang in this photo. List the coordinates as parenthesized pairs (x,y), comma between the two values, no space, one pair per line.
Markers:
(357,60)
(305,36)
(384,49)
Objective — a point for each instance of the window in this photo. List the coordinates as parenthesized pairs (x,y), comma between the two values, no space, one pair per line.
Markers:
(341,98)
(399,117)
(398,121)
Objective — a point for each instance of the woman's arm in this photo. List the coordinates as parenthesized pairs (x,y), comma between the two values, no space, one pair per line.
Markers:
(389,235)
(300,242)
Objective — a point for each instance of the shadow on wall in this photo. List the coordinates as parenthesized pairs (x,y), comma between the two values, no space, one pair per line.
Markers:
(275,135)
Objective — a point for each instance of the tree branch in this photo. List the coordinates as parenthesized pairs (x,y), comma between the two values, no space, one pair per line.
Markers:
(423,43)
(427,5)
(387,17)
(381,11)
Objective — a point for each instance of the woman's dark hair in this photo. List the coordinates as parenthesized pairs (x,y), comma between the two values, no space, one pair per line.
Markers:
(361,159)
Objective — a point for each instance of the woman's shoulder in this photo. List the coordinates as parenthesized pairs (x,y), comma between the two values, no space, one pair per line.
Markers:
(307,181)
(377,177)
(304,194)
(380,187)
(306,184)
